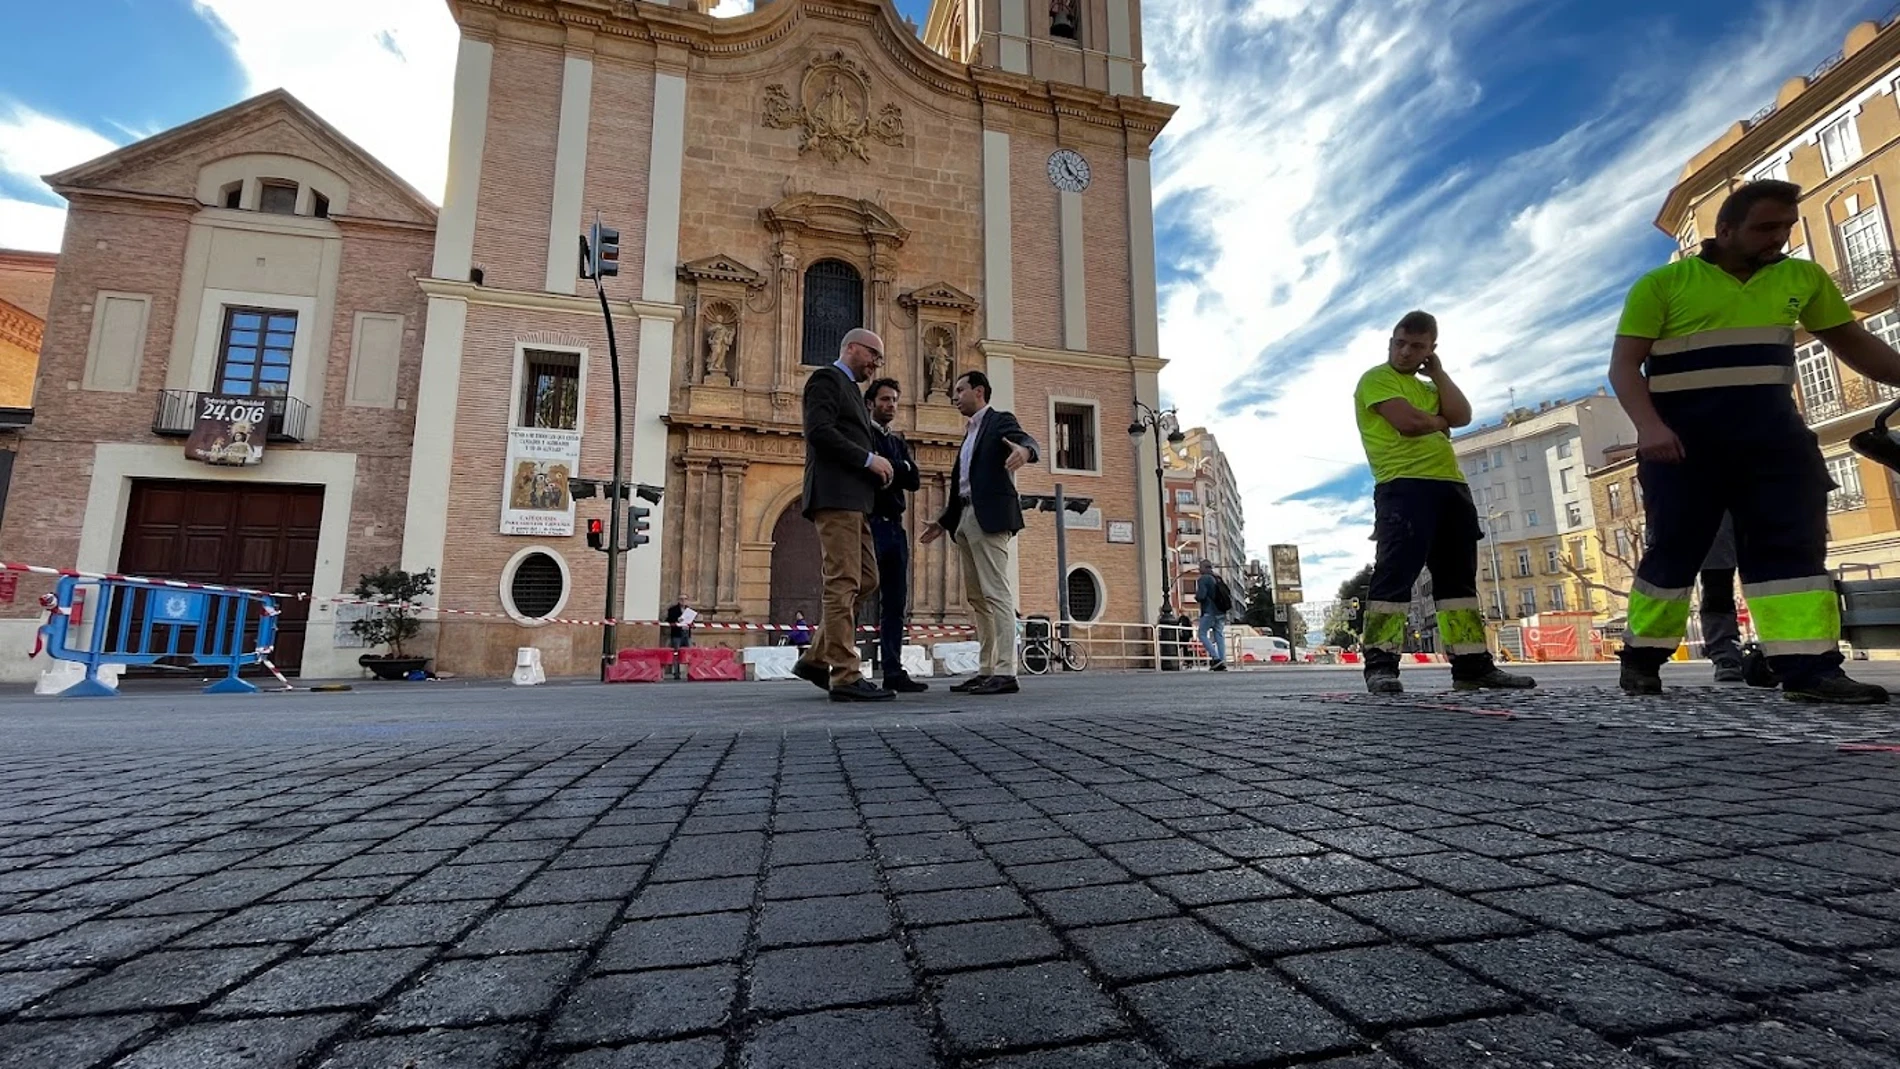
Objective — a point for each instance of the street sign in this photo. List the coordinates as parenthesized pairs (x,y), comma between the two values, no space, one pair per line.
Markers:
(1287,595)
(1280,613)
(1285,561)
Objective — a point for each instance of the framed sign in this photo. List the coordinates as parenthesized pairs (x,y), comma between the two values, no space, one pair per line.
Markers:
(534,493)
(1122,531)
(229,430)
(1285,561)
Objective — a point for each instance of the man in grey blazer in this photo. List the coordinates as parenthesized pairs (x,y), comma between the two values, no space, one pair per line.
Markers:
(843,473)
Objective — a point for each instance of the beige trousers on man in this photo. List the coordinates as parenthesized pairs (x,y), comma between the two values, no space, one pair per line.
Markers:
(986,587)
(850,563)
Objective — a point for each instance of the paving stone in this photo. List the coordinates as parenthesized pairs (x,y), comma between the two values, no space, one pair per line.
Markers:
(703,1053)
(659,1004)
(1147,950)
(1607,993)
(1108,904)
(666,942)
(1028,1006)
(532,928)
(21,989)
(169,979)
(1038,851)
(1617,875)
(1428,915)
(1531,1041)
(495,1047)
(812,847)
(49,1044)
(1165,857)
(323,982)
(821,880)
(100,942)
(402,926)
(1057,875)
(804,979)
(942,848)
(603,884)
(25,927)
(1289,926)
(470,991)
(957,907)
(1493,841)
(1651,847)
(704,857)
(1391,987)
(274,922)
(983,944)
(823,920)
(237,1044)
(1221,885)
(1236,1019)
(1763,1045)
(1865,1014)
(1579,910)
(698,896)
(845,1039)
(1731,962)
(1374,842)
(449,883)
(1465,873)
(1111,1055)
(1250,844)
(1334,874)
(1801,924)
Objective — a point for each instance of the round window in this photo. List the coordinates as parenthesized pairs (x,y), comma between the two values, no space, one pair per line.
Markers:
(1085,595)
(538,585)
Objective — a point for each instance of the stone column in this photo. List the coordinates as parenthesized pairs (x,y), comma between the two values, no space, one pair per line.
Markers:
(731,502)
(697,565)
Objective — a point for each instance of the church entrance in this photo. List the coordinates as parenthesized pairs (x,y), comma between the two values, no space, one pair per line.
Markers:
(798,578)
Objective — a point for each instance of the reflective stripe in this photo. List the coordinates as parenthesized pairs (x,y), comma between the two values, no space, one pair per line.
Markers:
(1722,376)
(1459,649)
(1462,626)
(1708,339)
(1806,616)
(1656,621)
(1454,604)
(1381,607)
(1385,631)
(1804,585)
(1660,642)
(1658,593)
(1807,647)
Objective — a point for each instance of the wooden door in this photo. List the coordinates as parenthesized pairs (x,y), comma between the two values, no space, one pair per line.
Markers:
(798,575)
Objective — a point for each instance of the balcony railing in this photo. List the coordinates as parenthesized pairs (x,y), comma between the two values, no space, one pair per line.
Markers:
(1868,272)
(1846,500)
(1852,395)
(178,413)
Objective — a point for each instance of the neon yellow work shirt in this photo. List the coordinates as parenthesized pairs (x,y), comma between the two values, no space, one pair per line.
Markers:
(1393,455)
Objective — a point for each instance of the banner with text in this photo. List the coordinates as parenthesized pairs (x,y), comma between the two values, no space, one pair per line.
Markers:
(535,498)
(229,430)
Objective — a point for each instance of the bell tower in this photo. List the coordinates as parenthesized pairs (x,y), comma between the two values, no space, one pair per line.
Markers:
(1092,43)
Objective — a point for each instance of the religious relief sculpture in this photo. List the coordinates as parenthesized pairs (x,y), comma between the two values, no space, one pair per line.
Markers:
(832,111)
(721,330)
(937,362)
(1062,19)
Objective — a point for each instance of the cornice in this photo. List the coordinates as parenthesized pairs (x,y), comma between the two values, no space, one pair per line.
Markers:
(21,327)
(535,301)
(1035,354)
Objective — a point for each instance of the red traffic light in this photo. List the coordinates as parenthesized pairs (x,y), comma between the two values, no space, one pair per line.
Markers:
(596,537)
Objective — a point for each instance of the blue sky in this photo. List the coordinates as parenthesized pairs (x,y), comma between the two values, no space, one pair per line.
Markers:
(1334,163)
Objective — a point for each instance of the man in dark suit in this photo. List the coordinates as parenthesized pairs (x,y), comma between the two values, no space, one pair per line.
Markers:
(983,517)
(892,541)
(843,473)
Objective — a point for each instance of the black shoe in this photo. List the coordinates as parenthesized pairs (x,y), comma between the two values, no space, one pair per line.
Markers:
(998,685)
(1640,681)
(1495,679)
(812,672)
(1384,681)
(1730,673)
(1835,690)
(1217,666)
(862,691)
(969,684)
(904,685)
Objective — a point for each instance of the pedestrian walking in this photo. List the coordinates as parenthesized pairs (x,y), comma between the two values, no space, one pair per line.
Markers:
(1423,515)
(1215,601)
(982,518)
(842,475)
(1704,363)
(890,537)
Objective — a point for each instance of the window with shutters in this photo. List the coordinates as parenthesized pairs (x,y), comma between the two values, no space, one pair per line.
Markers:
(1074,424)
(1840,144)
(1820,385)
(1615,493)
(1847,495)
(834,303)
(1573,514)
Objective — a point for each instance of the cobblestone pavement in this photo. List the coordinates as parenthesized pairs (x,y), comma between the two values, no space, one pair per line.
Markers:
(1571,879)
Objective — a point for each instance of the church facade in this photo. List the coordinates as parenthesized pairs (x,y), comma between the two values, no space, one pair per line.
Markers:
(978,194)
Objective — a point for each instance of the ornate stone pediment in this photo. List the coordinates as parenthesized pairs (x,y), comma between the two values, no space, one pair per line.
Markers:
(937,295)
(832,110)
(721,268)
(822,213)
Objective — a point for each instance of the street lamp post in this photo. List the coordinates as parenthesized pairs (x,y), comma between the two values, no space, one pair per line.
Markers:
(1149,420)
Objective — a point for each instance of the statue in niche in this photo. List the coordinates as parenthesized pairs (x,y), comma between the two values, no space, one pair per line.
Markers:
(1062,19)
(937,364)
(719,337)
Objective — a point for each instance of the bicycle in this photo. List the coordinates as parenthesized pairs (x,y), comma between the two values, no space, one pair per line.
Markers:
(1038,651)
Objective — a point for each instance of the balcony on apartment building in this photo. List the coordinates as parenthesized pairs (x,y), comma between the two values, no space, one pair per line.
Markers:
(1829,398)
(1868,273)
(177,414)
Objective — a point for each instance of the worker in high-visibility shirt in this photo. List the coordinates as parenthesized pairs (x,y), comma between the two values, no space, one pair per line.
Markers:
(1704,364)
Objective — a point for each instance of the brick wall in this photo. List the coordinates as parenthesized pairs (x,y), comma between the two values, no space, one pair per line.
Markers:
(517,184)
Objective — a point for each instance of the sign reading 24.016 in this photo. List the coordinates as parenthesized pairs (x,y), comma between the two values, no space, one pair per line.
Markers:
(229,430)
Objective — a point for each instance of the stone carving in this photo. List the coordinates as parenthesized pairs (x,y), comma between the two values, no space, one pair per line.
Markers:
(721,330)
(832,111)
(937,362)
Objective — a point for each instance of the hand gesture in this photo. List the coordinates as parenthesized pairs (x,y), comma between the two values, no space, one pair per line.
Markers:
(1659,443)
(932,532)
(1018,456)
(1432,365)
(881,468)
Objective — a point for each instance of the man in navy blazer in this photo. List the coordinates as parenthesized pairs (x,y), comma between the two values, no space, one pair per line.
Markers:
(982,518)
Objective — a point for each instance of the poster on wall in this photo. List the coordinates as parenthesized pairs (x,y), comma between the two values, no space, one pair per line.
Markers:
(228,430)
(534,498)
(1121,532)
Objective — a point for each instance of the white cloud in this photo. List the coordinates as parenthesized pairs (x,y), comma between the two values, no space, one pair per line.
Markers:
(33,144)
(1293,166)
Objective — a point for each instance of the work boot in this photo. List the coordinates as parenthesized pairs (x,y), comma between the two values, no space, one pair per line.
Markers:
(902,683)
(1638,680)
(1835,690)
(1730,673)
(1495,679)
(1383,681)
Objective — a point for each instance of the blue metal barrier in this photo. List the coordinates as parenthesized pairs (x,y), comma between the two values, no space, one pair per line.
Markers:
(143,623)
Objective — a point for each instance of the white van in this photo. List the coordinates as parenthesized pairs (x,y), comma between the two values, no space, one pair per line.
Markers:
(1263,649)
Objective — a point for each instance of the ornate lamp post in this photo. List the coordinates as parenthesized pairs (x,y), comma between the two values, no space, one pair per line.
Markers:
(1149,420)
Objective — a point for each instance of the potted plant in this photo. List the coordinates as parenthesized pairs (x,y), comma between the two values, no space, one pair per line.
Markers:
(393,620)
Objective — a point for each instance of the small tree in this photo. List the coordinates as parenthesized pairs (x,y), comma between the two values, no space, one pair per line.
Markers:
(395,617)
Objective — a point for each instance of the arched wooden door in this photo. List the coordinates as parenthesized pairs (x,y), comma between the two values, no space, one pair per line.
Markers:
(798,579)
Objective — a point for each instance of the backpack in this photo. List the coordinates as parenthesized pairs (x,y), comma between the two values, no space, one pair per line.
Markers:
(1223,600)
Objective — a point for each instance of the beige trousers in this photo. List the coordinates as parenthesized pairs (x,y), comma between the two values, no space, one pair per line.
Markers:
(986,587)
(850,562)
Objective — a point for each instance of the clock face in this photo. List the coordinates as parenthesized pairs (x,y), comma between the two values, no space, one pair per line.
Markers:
(1068,170)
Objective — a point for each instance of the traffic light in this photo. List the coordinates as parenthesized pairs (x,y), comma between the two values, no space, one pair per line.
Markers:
(605,243)
(596,535)
(637,526)
(581,489)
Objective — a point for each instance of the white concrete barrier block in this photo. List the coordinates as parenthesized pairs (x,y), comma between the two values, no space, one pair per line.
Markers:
(917,661)
(770,662)
(959,658)
(528,670)
(64,674)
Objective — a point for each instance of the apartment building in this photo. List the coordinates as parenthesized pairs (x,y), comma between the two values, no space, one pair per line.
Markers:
(1831,131)
(1529,477)
(1205,516)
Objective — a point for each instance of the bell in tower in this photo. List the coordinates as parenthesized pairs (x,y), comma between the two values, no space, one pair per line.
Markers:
(1062,19)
